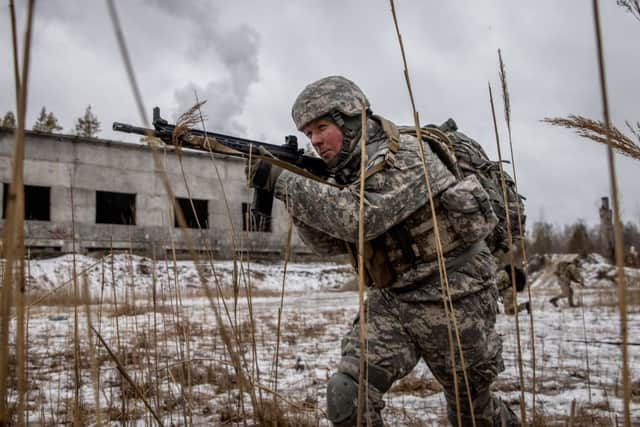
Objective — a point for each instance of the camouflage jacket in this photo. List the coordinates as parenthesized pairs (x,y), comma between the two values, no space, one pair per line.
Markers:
(326,217)
(569,272)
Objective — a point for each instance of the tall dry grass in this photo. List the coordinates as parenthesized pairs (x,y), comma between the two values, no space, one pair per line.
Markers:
(150,367)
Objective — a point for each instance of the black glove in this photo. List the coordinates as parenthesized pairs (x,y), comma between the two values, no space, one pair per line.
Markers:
(262,174)
(521,277)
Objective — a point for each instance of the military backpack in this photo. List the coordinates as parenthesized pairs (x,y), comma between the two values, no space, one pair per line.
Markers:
(464,156)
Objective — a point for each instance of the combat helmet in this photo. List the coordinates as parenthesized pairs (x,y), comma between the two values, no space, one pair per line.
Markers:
(325,97)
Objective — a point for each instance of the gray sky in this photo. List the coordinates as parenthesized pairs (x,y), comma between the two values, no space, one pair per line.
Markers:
(249,60)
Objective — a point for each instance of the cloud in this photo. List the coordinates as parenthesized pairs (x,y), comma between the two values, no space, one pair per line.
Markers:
(250,59)
(222,107)
(231,52)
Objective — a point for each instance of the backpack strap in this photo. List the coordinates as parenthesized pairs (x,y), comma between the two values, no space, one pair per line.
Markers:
(393,135)
(438,141)
(440,144)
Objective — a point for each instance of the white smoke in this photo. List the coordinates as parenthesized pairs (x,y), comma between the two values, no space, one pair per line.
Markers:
(232,53)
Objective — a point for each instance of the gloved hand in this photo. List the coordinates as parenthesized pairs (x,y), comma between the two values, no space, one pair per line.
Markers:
(262,174)
(521,277)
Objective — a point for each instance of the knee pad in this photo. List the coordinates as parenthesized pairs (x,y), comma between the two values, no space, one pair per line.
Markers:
(342,399)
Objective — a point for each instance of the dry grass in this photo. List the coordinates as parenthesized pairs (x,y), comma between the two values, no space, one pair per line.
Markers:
(597,131)
(198,373)
(583,417)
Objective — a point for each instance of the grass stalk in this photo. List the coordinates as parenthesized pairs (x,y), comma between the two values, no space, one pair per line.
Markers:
(76,336)
(523,246)
(362,321)
(287,253)
(182,325)
(617,224)
(20,347)
(154,297)
(123,400)
(523,412)
(13,229)
(598,131)
(452,326)
(95,369)
(586,348)
(255,375)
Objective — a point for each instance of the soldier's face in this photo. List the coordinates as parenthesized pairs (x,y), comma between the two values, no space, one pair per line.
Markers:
(325,137)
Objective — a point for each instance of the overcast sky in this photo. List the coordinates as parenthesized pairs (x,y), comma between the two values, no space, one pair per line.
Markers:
(249,60)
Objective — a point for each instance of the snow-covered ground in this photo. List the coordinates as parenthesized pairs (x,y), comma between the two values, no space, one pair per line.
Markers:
(154,326)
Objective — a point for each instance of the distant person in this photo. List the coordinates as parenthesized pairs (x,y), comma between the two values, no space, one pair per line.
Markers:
(566,273)
(503,282)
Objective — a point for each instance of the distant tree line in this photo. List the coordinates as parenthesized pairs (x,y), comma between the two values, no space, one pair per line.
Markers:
(546,238)
(87,125)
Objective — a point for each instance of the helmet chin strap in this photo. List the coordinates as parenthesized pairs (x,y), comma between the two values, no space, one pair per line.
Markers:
(348,141)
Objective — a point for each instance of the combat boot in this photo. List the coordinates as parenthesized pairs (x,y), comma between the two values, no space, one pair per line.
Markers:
(490,411)
(503,415)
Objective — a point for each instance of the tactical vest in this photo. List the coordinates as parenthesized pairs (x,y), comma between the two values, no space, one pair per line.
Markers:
(463,214)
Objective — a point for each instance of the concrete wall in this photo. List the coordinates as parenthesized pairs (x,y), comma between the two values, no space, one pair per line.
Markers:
(89,165)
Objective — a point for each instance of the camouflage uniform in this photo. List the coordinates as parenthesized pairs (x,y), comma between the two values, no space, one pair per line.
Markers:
(566,272)
(503,282)
(406,319)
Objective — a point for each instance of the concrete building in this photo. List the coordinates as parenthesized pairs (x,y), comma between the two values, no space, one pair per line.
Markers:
(119,199)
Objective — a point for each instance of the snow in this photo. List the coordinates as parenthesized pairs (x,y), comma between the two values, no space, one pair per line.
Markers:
(124,270)
(578,356)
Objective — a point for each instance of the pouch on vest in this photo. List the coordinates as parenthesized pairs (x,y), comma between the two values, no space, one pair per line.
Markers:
(469,210)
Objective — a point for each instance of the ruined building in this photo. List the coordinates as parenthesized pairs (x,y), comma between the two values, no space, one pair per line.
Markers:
(119,200)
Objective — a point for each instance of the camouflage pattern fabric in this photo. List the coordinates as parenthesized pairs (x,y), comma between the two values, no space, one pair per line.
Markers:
(469,209)
(321,97)
(327,215)
(405,322)
(503,282)
(567,272)
(400,333)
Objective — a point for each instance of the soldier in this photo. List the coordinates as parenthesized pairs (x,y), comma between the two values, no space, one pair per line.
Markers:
(406,318)
(567,272)
(503,282)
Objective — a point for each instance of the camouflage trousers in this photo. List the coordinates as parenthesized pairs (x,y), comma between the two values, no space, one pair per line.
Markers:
(399,333)
(566,292)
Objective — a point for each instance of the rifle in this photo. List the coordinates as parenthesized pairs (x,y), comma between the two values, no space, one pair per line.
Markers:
(195,139)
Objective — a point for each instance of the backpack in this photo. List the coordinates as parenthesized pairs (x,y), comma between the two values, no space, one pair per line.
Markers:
(464,156)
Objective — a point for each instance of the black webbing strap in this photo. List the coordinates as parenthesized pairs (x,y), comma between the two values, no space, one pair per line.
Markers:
(451,265)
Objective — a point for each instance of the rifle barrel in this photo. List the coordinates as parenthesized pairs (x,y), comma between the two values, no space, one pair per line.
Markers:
(123,127)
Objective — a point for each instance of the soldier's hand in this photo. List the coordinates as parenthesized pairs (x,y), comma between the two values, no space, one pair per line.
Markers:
(262,174)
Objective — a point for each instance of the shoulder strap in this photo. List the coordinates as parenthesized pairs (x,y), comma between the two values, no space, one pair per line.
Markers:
(392,133)
(440,143)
